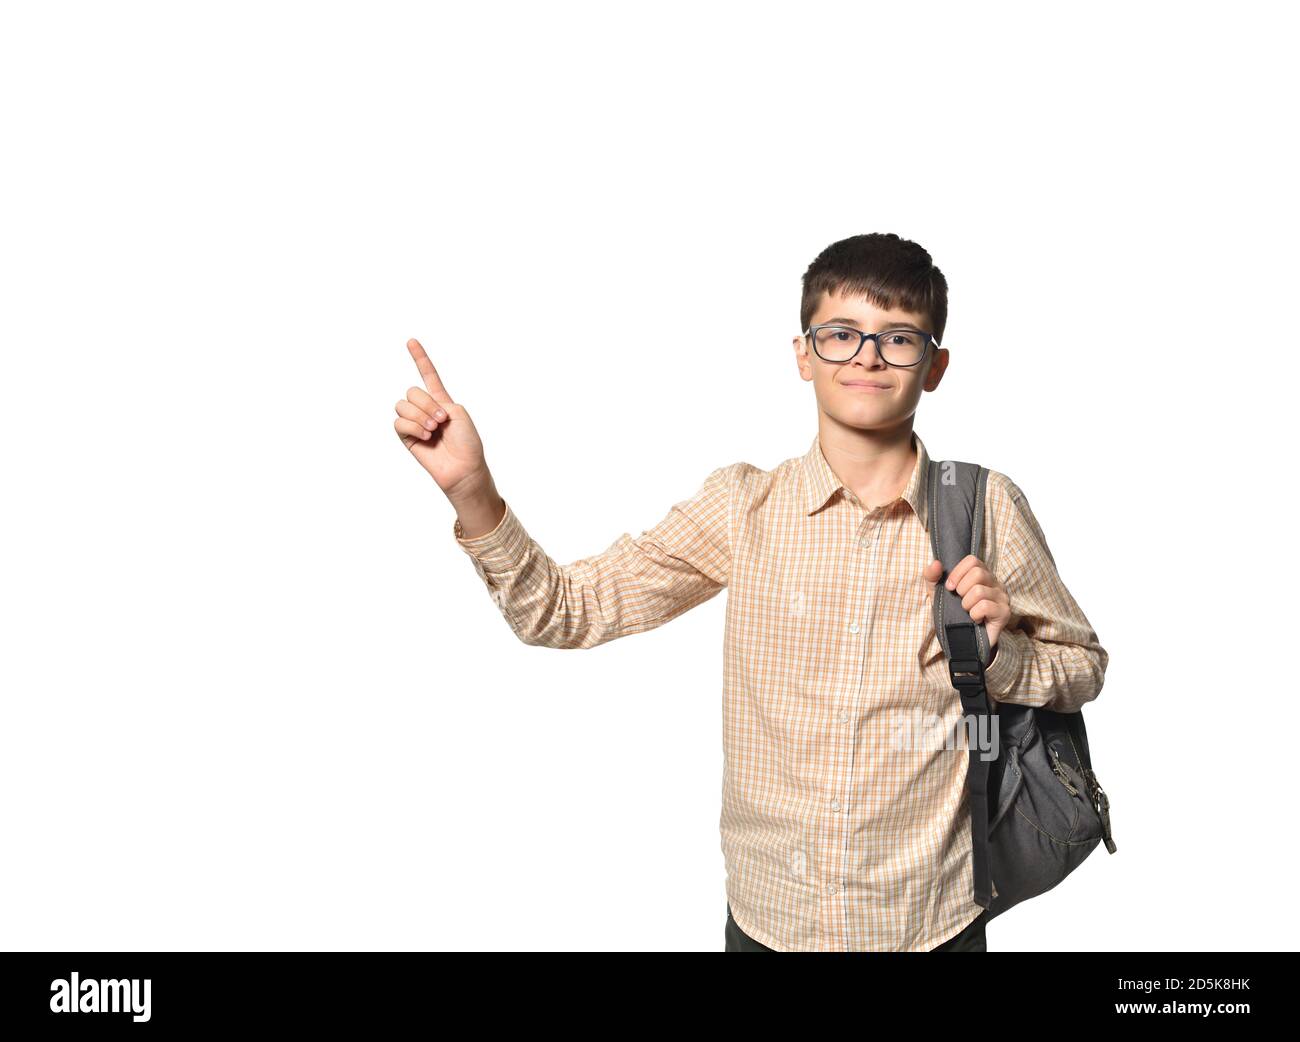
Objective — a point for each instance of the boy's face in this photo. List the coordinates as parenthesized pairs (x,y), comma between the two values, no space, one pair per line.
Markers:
(842,388)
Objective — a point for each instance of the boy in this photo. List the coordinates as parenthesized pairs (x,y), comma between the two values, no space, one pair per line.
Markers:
(836,836)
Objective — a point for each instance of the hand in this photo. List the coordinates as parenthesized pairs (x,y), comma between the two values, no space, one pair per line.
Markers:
(438,432)
(981,594)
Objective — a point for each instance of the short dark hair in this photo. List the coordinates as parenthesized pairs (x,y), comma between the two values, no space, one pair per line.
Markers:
(892,273)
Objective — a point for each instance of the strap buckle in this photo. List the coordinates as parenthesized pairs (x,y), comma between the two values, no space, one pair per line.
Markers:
(966,673)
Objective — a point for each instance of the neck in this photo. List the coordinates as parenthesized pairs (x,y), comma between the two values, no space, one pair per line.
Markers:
(875,464)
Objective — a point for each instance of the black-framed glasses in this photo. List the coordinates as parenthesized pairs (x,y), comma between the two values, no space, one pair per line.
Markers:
(898,347)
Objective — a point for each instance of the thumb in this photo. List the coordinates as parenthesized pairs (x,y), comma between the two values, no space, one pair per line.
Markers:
(933,571)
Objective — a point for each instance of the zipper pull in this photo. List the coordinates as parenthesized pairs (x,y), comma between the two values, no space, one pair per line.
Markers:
(1102,803)
(1059,770)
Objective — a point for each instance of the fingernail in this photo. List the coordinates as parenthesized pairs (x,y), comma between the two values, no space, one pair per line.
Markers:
(428,424)
(440,414)
(425,434)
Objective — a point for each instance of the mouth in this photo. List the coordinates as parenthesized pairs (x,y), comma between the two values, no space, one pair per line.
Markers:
(869,385)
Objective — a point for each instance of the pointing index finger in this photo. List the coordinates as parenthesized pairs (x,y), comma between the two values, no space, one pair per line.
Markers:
(427,372)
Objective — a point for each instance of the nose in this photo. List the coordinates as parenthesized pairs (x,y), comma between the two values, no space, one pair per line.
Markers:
(869,357)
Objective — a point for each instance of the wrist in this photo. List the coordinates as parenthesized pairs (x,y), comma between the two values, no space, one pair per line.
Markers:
(472,490)
(478,512)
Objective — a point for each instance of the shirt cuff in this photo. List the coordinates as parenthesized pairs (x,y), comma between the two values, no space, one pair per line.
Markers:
(1000,678)
(499,550)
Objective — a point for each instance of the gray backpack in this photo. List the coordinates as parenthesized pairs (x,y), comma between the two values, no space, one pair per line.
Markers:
(1036,808)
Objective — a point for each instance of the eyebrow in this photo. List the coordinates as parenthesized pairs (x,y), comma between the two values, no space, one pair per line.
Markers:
(854,322)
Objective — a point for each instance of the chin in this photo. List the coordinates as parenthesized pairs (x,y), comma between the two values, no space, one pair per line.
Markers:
(864,417)
(862,411)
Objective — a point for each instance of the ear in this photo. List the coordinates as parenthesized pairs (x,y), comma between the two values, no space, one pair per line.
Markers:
(803,359)
(937,365)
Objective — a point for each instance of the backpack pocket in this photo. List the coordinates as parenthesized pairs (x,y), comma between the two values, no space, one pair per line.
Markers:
(1044,823)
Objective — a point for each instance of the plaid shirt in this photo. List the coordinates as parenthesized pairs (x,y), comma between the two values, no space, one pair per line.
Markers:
(837,834)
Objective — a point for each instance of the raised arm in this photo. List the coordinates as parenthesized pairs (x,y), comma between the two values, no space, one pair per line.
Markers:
(635,585)
(1049,654)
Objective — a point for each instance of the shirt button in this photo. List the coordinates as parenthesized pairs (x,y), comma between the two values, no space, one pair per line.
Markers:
(853,627)
(835,805)
(831,889)
(844,717)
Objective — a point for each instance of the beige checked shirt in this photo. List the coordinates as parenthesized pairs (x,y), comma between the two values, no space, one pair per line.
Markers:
(838,833)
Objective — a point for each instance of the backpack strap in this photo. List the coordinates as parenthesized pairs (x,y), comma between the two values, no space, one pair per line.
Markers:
(955,516)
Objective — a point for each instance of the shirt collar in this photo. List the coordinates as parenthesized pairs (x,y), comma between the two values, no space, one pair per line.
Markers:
(820,482)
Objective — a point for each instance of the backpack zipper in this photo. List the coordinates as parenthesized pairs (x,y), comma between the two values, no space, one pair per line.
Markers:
(1058,769)
(1101,802)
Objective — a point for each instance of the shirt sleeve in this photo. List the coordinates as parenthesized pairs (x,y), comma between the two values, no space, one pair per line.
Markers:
(634,585)
(1048,655)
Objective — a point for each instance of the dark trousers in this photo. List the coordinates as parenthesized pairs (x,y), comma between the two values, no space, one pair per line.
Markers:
(970,939)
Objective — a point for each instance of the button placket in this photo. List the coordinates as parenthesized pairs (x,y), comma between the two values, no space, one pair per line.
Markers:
(869,530)
(839,825)
(869,561)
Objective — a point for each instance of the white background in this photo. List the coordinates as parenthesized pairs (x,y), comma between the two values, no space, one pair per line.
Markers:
(254,695)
